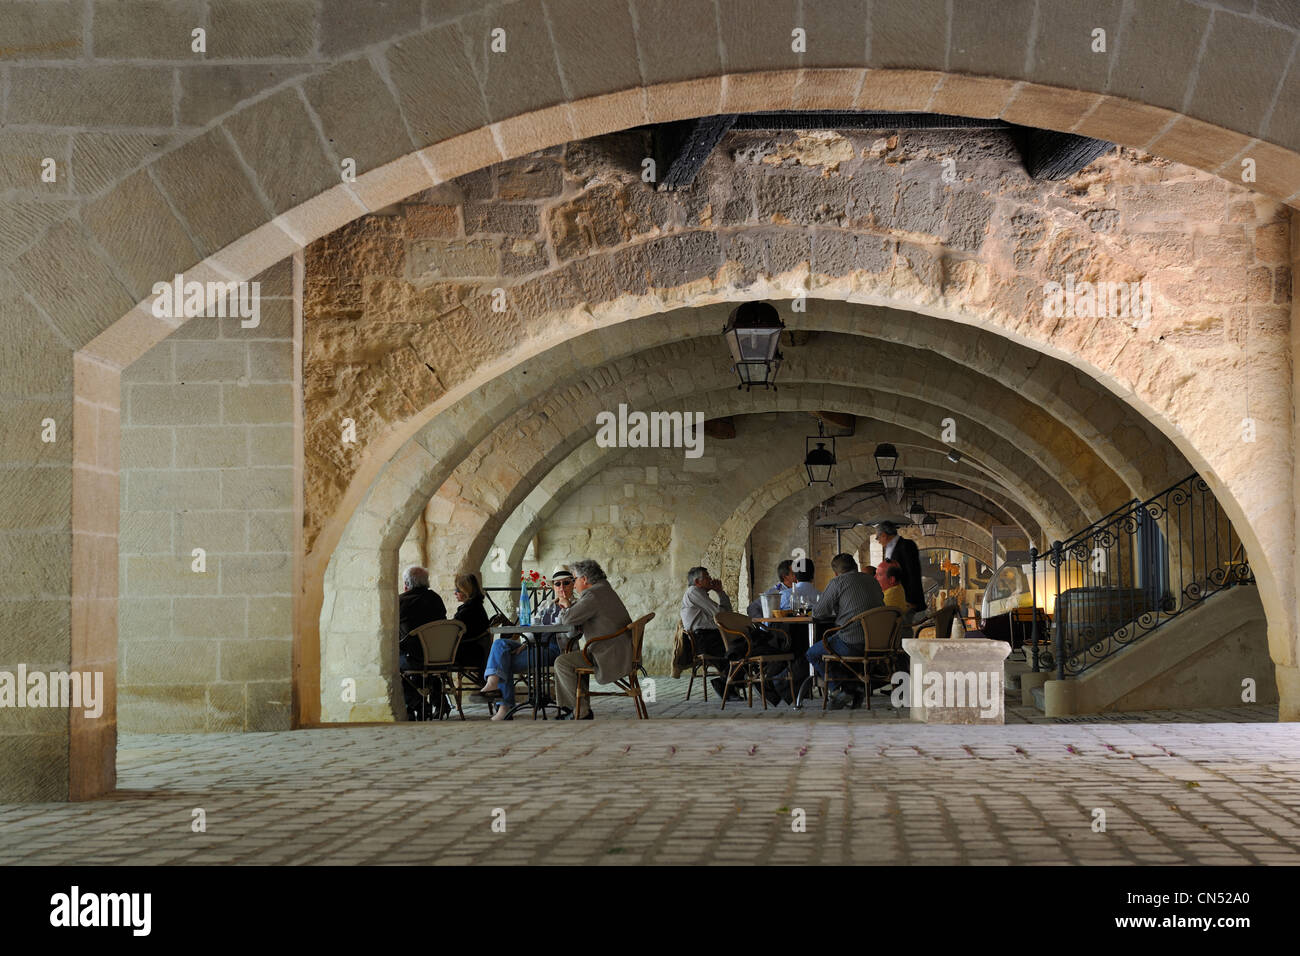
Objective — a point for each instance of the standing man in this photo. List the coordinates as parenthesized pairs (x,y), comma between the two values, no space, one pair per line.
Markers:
(416,605)
(897,548)
(849,594)
(698,610)
(598,612)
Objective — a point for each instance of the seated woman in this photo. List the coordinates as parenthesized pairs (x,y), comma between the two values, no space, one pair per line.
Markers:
(473,649)
(510,656)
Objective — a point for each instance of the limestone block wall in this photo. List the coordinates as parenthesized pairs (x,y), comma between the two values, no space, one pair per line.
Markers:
(399,304)
(207,462)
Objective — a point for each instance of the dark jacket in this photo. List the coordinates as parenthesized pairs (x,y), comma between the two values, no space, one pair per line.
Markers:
(416,607)
(474,645)
(908,557)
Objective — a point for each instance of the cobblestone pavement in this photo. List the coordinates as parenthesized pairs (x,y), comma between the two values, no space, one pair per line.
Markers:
(718,789)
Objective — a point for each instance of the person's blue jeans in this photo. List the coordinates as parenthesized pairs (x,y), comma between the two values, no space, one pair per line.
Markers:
(504,663)
(837,645)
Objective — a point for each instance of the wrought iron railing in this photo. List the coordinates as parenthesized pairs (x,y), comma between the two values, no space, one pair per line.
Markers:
(1133,571)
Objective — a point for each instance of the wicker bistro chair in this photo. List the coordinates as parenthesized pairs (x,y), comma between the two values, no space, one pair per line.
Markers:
(883,627)
(439,640)
(467,678)
(628,685)
(700,664)
(752,668)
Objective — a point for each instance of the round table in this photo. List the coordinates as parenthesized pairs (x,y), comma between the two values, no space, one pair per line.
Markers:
(806,683)
(536,636)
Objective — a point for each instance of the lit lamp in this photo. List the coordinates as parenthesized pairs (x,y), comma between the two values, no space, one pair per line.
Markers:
(820,460)
(929,524)
(892,480)
(753,332)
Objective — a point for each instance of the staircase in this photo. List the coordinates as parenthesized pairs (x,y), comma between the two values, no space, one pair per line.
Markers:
(1137,570)
(1194,661)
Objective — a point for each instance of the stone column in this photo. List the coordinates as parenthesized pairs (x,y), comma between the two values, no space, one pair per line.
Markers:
(957,681)
(1287,665)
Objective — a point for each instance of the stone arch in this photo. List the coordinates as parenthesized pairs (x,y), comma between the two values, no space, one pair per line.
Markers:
(952,346)
(789,495)
(502,396)
(448,143)
(701,366)
(588,460)
(1160,470)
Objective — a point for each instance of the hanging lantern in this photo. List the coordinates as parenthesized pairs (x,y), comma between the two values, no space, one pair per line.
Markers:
(820,460)
(886,458)
(929,524)
(753,332)
(916,511)
(892,480)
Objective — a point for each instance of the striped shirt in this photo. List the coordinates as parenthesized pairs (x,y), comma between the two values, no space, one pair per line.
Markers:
(847,596)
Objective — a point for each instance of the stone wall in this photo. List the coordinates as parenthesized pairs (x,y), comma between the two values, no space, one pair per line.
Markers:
(207,462)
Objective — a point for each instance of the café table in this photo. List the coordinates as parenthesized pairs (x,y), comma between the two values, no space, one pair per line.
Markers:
(537,636)
(812,639)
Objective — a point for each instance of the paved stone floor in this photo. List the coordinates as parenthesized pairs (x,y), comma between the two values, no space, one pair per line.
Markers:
(716,789)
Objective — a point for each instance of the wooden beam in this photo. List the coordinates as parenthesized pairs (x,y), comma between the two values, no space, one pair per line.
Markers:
(681,149)
(861,119)
(1049,155)
(839,420)
(722,429)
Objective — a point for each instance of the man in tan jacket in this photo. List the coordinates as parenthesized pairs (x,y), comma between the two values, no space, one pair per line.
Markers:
(598,612)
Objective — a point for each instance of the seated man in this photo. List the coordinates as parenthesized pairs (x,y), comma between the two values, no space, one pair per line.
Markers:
(698,610)
(889,575)
(848,595)
(598,612)
(417,605)
(784,583)
(510,656)
(804,589)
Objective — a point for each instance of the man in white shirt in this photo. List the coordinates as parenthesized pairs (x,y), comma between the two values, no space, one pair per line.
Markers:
(780,591)
(804,588)
(698,610)
(897,548)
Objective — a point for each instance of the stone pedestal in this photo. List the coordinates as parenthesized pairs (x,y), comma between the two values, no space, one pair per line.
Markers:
(957,681)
